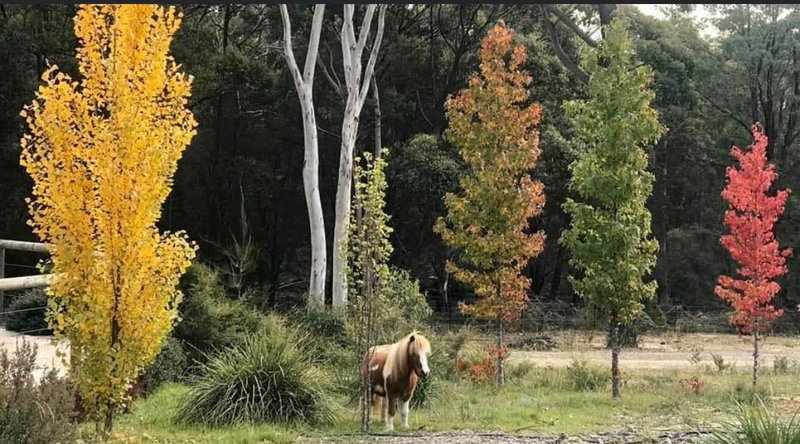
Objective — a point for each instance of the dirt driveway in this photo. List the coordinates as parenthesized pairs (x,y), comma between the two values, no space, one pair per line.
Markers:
(663,351)
(46,350)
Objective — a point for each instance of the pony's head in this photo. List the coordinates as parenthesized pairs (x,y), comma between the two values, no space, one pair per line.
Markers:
(419,349)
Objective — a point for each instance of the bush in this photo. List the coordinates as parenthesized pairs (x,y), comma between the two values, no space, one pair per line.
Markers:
(757,425)
(402,310)
(32,412)
(209,319)
(268,378)
(446,349)
(584,377)
(29,315)
(170,365)
(323,322)
(782,365)
(745,394)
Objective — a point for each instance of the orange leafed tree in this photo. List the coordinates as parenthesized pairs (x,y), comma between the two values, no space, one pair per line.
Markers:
(494,128)
(102,152)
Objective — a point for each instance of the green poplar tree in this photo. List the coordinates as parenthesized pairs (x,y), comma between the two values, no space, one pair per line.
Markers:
(610,238)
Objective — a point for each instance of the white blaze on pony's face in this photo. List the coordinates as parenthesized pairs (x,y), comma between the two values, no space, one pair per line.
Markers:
(419,350)
(423,361)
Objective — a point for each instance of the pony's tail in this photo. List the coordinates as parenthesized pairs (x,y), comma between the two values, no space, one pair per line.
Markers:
(377,405)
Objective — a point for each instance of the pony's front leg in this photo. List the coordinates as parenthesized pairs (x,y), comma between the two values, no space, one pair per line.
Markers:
(404,409)
(391,408)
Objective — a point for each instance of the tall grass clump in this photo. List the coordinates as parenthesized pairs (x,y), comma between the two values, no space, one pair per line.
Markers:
(758,425)
(584,377)
(268,377)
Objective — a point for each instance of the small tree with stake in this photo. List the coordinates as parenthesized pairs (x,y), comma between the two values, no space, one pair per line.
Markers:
(751,217)
(368,251)
(610,238)
(494,128)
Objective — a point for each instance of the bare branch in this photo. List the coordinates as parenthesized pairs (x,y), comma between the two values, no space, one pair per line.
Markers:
(568,63)
(313,42)
(567,20)
(373,56)
(363,33)
(335,82)
(288,53)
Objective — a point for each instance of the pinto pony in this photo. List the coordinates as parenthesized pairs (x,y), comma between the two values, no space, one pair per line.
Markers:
(393,373)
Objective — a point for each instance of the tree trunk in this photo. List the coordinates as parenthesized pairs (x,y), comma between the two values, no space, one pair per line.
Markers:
(343,193)
(615,359)
(555,281)
(316,222)
(357,89)
(756,353)
(304,84)
(378,116)
(501,360)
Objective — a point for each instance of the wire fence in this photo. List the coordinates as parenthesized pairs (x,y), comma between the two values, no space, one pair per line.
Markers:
(548,316)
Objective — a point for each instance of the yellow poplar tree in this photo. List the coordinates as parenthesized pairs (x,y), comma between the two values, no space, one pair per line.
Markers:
(102,152)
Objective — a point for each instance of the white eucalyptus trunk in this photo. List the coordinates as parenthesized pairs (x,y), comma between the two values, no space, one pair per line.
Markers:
(304,84)
(357,88)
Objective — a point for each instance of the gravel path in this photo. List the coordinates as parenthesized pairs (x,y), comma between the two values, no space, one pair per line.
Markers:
(502,438)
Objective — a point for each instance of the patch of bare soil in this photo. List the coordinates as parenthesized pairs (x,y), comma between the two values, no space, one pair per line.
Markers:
(46,356)
(665,351)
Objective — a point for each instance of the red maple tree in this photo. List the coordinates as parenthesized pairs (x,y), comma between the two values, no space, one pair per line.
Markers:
(751,216)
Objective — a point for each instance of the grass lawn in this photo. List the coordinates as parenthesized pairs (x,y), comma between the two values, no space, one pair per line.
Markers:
(535,400)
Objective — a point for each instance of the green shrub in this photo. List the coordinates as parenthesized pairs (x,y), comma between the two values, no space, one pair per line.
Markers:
(32,412)
(28,315)
(781,365)
(323,322)
(170,365)
(269,377)
(405,294)
(719,362)
(402,310)
(446,348)
(584,377)
(757,425)
(745,394)
(519,371)
(209,320)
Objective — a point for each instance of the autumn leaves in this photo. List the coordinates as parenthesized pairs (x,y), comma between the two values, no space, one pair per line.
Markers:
(102,152)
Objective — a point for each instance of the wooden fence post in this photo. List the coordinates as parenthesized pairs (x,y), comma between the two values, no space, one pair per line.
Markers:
(2,275)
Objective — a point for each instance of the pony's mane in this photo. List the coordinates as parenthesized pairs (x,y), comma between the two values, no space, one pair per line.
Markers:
(397,359)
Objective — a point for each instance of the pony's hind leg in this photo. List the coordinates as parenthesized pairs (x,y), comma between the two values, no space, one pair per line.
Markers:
(390,409)
(404,409)
(378,406)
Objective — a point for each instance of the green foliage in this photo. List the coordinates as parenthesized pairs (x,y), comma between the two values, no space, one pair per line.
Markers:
(404,293)
(400,309)
(719,362)
(170,365)
(782,365)
(323,322)
(209,320)
(268,377)
(30,313)
(33,412)
(757,425)
(610,238)
(747,394)
(583,376)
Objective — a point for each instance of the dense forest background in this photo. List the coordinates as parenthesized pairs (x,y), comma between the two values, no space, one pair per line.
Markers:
(239,186)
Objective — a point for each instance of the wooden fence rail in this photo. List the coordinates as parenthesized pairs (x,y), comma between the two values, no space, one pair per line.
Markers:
(23,282)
